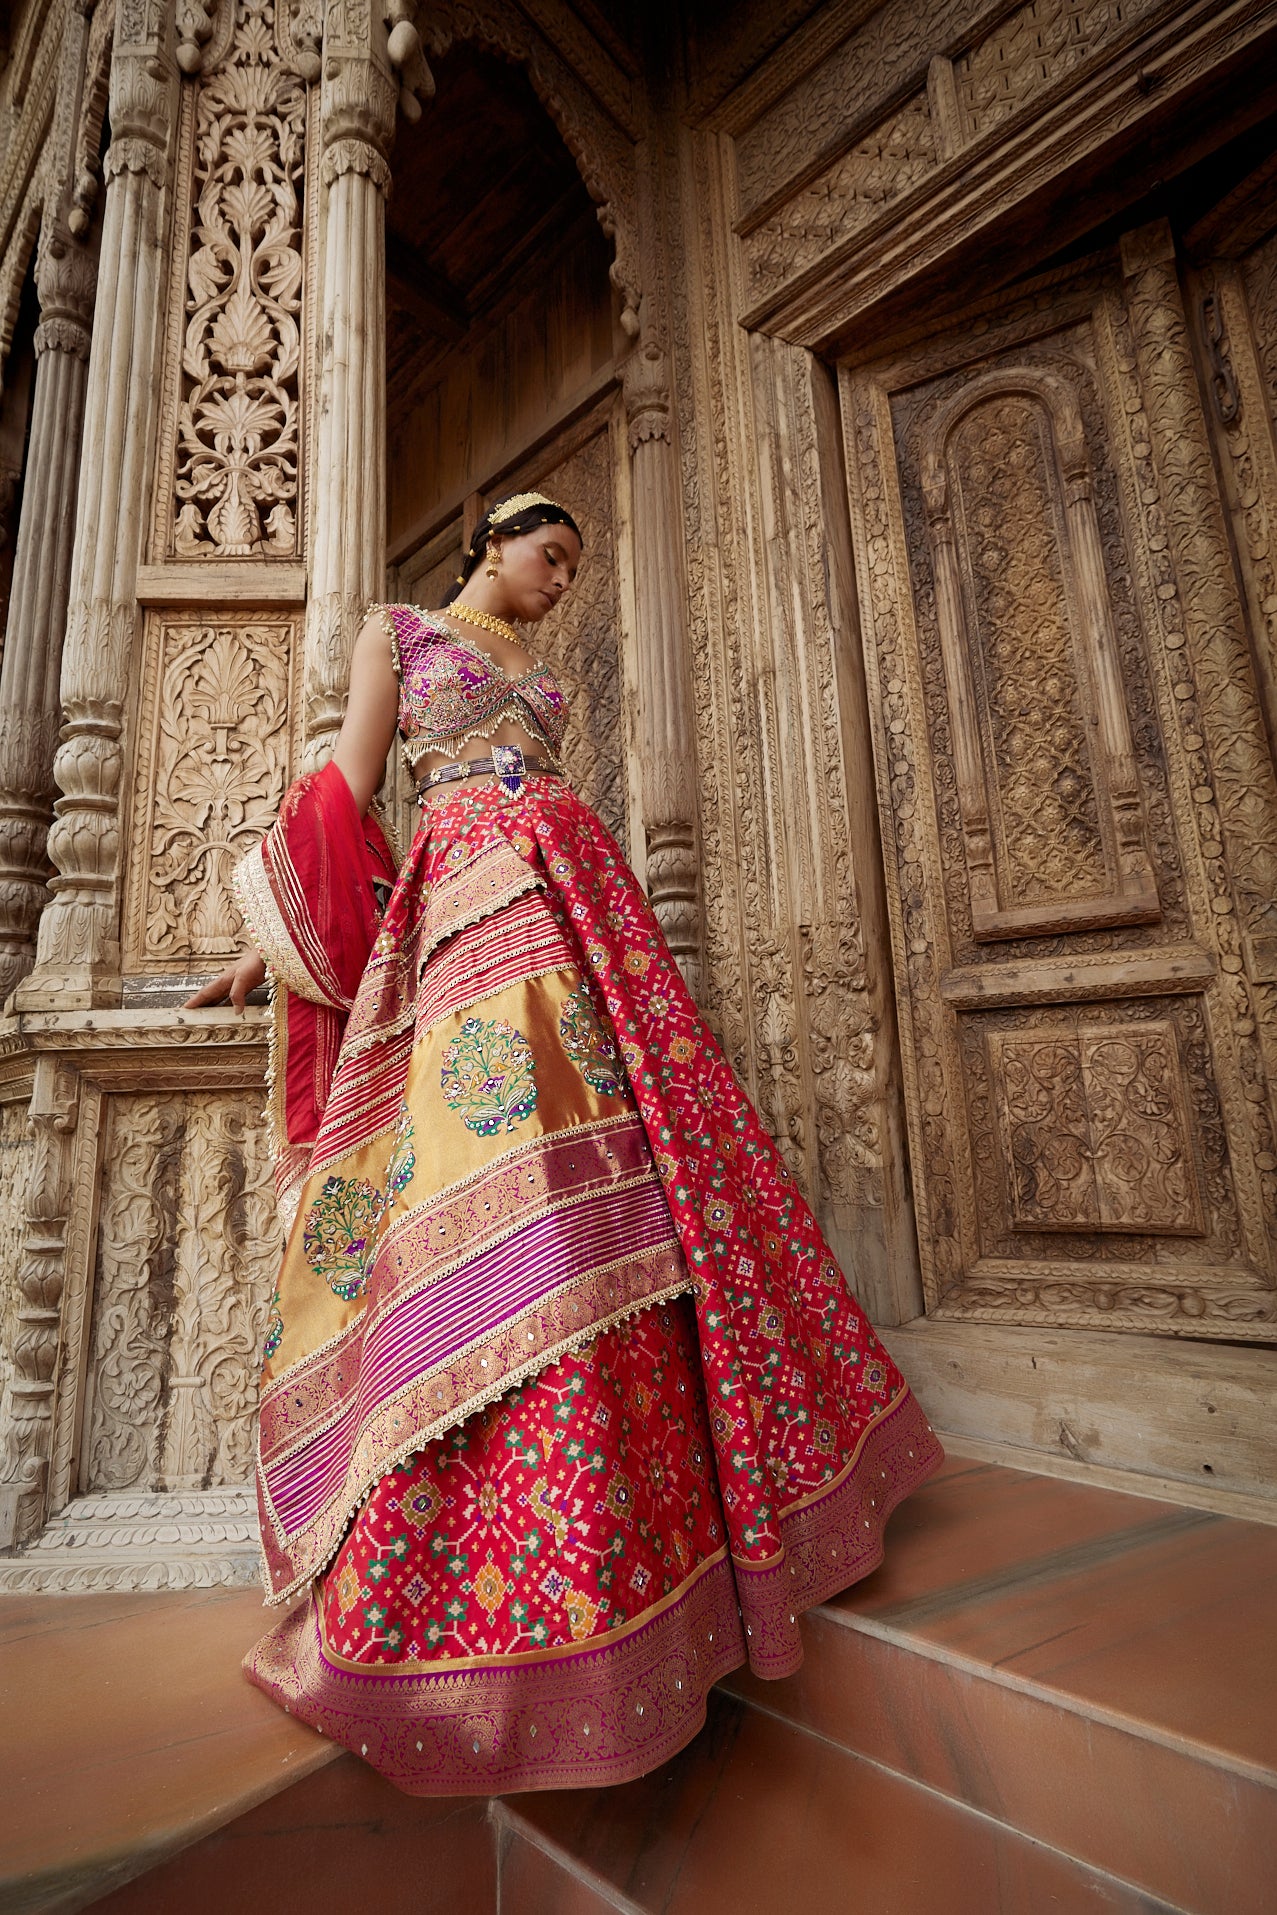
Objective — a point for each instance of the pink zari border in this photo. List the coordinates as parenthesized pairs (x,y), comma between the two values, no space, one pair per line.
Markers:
(619,1704)
(834,1537)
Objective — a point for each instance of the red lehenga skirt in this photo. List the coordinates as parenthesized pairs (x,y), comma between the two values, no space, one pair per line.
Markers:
(567,1409)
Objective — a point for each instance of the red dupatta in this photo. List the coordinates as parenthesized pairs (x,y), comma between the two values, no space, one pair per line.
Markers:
(312,895)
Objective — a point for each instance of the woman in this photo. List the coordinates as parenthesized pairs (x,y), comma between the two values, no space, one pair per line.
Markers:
(566,1408)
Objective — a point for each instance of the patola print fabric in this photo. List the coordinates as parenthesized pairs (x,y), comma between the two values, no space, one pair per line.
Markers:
(567,1409)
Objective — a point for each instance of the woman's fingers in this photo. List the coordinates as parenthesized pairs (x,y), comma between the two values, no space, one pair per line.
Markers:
(235,983)
(214,992)
(249,973)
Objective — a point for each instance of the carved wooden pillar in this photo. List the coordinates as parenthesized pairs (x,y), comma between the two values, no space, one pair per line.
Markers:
(1211,665)
(29,1400)
(348,502)
(78,952)
(667,752)
(32,661)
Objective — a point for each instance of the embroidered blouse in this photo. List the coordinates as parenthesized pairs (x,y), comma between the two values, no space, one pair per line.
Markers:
(451,691)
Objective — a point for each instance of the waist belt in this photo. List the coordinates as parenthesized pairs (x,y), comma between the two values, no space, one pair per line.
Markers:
(509,763)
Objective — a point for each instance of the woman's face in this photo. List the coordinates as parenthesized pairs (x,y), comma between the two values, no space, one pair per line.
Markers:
(537,568)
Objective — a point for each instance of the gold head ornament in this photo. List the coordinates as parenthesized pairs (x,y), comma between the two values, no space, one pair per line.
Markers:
(521,502)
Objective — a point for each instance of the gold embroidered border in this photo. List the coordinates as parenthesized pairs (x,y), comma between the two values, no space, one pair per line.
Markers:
(378,1449)
(609,1709)
(439,1266)
(265,925)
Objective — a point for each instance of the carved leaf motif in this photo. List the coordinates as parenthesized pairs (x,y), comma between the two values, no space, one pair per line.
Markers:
(210,789)
(185,1271)
(236,479)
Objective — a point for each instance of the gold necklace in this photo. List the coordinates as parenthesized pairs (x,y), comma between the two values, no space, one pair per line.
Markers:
(488,620)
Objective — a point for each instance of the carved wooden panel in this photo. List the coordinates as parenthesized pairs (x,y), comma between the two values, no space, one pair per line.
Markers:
(1094,1129)
(1034,48)
(1235,303)
(188,1247)
(16,1149)
(859,75)
(1072,818)
(212,765)
(1014,63)
(229,471)
(1052,820)
(890,158)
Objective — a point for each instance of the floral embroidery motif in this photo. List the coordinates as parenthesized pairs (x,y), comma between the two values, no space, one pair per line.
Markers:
(488,1076)
(338,1233)
(403,1159)
(589,1045)
(342,1225)
(274,1330)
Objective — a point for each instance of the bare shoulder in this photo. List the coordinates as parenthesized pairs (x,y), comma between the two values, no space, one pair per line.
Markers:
(376,650)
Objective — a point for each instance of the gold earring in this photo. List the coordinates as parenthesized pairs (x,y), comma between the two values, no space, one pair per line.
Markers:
(494,560)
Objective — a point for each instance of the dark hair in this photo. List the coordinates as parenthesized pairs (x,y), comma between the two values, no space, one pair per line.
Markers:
(509,525)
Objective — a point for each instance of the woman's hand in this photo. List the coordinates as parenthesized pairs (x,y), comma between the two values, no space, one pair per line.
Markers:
(244,976)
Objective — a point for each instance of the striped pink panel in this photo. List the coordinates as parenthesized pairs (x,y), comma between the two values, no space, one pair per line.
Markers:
(526,941)
(459,1310)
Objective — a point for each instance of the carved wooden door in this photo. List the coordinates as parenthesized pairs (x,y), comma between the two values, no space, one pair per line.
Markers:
(1079,813)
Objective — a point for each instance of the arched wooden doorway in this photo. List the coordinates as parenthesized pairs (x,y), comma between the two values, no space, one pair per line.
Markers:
(502,346)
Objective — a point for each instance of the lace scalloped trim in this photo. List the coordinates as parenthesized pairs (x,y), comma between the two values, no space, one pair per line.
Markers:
(368,1320)
(512,1380)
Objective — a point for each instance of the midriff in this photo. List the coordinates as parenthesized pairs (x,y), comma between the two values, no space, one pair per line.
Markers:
(506,733)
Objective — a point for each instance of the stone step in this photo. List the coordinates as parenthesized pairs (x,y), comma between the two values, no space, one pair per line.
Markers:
(1049,1698)
(1095,1670)
(761,1817)
(340,1839)
(129,1735)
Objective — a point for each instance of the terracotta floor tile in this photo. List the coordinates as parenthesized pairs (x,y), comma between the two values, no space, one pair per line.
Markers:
(1133,1808)
(976,1523)
(759,1819)
(533,1883)
(1177,1633)
(342,1839)
(128,1726)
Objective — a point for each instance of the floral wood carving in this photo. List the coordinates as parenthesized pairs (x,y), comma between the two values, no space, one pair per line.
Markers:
(235,486)
(188,1247)
(1095,1130)
(16,1148)
(1027,1122)
(212,765)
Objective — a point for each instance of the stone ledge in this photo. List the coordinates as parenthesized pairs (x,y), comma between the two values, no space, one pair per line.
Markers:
(201,1540)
